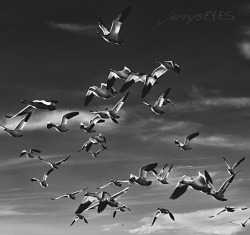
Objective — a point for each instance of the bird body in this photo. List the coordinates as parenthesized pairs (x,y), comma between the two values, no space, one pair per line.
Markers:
(162,211)
(43,182)
(185,146)
(62,127)
(30,153)
(16,132)
(112,35)
(90,127)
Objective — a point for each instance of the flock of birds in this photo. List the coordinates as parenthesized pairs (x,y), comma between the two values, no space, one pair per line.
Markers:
(101,199)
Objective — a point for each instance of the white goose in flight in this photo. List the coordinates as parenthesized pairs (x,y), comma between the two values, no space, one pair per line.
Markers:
(112,35)
(62,127)
(201,183)
(162,211)
(95,154)
(112,113)
(242,224)
(162,100)
(33,105)
(103,92)
(90,127)
(148,81)
(219,194)
(88,144)
(54,165)
(228,209)
(117,183)
(69,195)
(163,178)
(142,178)
(167,65)
(185,146)
(30,153)
(77,217)
(120,208)
(114,74)
(43,182)
(105,199)
(231,169)
(16,132)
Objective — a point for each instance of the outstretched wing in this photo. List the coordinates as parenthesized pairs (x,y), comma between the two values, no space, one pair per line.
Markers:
(23,122)
(119,104)
(62,161)
(26,110)
(191,136)
(67,116)
(143,170)
(156,215)
(180,188)
(103,27)
(237,163)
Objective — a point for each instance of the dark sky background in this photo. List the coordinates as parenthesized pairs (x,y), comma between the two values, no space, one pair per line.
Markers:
(49,49)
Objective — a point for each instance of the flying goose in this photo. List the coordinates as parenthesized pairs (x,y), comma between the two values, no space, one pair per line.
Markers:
(112,35)
(54,165)
(228,209)
(167,65)
(77,217)
(231,169)
(148,81)
(105,199)
(69,195)
(103,92)
(62,127)
(120,208)
(86,203)
(163,178)
(17,131)
(90,127)
(30,153)
(33,105)
(113,75)
(88,144)
(242,224)
(162,100)
(161,211)
(201,183)
(142,180)
(219,194)
(95,154)
(43,181)
(117,183)
(112,113)
(185,146)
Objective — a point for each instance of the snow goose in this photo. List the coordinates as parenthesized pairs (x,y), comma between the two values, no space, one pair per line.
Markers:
(228,209)
(201,183)
(33,105)
(231,169)
(112,113)
(167,65)
(62,127)
(95,154)
(117,183)
(30,153)
(112,36)
(185,146)
(86,203)
(142,179)
(148,81)
(105,199)
(54,165)
(163,178)
(90,127)
(242,224)
(114,74)
(161,211)
(120,208)
(70,195)
(17,131)
(77,217)
(219,194)
(162,100)
(88,144)
(43,182)
(103,92)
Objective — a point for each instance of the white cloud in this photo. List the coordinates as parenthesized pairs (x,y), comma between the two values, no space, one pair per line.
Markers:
(244,48)
(195,223)
(86,30)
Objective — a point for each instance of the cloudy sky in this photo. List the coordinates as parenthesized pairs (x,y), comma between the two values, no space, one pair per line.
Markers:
(50,50)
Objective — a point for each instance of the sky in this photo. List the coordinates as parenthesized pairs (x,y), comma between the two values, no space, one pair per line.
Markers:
(50,50)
